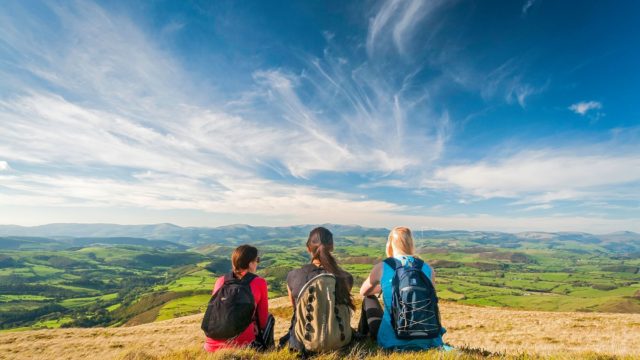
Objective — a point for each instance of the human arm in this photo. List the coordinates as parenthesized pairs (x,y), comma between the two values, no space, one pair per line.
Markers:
(430,271)
(218,284)
(293,303)
(371,286)
(262,306)
(290,278)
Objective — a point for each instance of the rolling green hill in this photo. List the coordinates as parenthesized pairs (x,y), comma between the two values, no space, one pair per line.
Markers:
(63,281)
(624,242)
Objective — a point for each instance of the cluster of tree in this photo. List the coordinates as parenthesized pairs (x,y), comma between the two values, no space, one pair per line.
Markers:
(168,259)
(19,287)
(101,317)
(7,261)
(621,268)
(219,265)
(18,318)
(604,287)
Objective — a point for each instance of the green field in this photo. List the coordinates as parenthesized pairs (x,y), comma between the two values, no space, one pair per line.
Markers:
(183,306)
(111,285)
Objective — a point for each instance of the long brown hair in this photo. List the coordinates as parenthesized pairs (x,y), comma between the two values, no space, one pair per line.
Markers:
(242,256)
(320,245)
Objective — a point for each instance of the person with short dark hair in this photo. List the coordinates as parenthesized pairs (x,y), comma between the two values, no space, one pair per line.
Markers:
(244,260)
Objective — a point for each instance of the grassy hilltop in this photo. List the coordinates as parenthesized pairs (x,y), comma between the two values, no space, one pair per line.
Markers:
(111,279)
(482,332)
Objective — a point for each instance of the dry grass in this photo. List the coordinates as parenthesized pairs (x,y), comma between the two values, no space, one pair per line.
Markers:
(507,334)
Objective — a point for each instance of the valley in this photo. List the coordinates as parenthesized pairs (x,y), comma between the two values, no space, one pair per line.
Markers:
(92,281)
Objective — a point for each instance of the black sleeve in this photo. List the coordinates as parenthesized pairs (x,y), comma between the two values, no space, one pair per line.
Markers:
(290,277)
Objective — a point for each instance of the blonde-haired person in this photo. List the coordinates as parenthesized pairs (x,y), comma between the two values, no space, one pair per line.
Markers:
(375,320)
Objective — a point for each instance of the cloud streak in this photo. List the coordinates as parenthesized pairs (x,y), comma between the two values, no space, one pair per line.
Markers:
(544,176)
(527,5)
(125,119)
(396,22)
(583,107)
(100,114)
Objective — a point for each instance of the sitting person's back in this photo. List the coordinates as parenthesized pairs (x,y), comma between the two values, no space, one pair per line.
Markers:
(388,336)
(320,295)
(245,262)
(410,321)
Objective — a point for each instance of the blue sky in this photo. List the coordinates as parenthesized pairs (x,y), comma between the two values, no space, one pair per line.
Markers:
(500,115)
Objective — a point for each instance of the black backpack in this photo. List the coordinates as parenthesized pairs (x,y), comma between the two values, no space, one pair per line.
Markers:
(414,304)
(231,309)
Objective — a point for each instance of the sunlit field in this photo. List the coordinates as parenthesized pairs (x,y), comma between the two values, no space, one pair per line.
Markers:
(477,332)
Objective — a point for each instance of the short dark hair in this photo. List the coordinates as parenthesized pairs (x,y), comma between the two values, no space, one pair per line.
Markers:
(242,256)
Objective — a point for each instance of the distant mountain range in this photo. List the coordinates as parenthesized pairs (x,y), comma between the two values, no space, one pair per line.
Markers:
(85,234)
(44,243)
(182,235)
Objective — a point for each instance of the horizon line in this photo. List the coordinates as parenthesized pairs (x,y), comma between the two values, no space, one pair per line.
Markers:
(414,229)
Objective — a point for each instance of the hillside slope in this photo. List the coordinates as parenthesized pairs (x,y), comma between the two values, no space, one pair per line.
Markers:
(492,329)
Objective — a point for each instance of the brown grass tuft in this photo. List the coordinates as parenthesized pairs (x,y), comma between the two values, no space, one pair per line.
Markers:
(480,333)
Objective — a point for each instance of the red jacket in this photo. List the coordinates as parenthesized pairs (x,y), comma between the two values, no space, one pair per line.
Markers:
(260,294)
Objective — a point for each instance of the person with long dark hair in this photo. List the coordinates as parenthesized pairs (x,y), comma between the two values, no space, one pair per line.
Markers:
(320,248)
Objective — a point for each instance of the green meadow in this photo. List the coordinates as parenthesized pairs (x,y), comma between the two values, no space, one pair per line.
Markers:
(110,285)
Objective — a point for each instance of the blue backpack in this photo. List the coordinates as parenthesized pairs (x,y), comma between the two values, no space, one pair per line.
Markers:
(414,305)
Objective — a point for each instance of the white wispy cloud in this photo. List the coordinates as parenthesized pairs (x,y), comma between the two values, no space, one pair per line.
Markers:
(121,129)
(397,21)
(537,207)
(506,81)
(527,5)
(228,195)
(97,115)
(172,27)
(357,120)
(419,32)
(544,176)
(583,107)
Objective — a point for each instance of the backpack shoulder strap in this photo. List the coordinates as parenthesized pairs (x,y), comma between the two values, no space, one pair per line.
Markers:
(393,263)
(418,263)
(310,271)
(248,278)
(228,277)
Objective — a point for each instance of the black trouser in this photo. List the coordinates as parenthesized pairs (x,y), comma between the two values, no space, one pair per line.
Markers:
(371,317)
(290,337)
(264,339)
